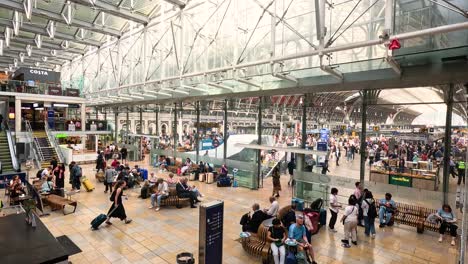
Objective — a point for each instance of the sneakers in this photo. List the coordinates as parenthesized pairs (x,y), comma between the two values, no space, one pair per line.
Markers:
(440,239)
(128,221)
(453,242)
(151,207)
(373,235)
(332,230)
(354,242)
(382,225)
(157,209)
(77,190)
(346,245)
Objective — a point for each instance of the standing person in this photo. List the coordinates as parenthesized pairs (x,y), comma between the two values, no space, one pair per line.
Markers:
(277,236)
(370,213)
(350,222)
(334,207)
(445,214)
(53,163)
(358,193)
(116,198)
(123,154)
(100,162)
(276,182)
(338,155)
(59,173)
(461,171)
(291,167)
(325,167)
(75,174)
(161,193)
(109,178)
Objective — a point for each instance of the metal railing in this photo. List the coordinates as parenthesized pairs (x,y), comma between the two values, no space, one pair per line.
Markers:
(31,87)
(36,150)
(54,143)
(11,146)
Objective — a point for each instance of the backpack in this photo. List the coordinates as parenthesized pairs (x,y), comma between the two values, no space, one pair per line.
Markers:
(301,258)
(39,173)
(144,192)
(316,205)
(372,212)
(290,258)
(245,219)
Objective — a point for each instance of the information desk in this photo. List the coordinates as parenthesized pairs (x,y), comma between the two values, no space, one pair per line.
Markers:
(421,181)
(21,243)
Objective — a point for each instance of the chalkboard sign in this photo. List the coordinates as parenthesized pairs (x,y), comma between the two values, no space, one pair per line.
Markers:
(211,233)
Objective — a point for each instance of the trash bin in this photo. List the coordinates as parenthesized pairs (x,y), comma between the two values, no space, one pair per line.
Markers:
(185,258)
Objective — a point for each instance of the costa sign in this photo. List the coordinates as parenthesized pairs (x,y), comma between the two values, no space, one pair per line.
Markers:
(39,72)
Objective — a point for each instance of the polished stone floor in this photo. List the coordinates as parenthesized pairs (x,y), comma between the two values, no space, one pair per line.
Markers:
(157,237)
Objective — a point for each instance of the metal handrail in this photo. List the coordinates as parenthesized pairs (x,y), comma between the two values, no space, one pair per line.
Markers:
(54,143)
(35,147)
(14,159)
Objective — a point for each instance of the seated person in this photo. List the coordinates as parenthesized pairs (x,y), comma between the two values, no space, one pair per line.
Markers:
(258,216)
(448,221)
(171,181)
(137,171)
(387,209)
(277,236)
(201,167)
(187,166)
(47,185)
(290,217)
(297,231)
(274,208)
(16,187)
(153,179)
(223,172)
(162,192)
(183,191)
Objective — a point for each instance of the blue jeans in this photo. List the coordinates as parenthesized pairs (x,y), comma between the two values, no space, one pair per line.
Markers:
(383,212)
(157,199)
(369,226)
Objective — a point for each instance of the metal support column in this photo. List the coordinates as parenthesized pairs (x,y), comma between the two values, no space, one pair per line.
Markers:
(140,131)
(259,142)
(116,127)
(362,170)
(197,135)
(128,126)
(464,226)
(174,128)
(300,158)
(157,120)
(225,133)
(447,141)
(97,113)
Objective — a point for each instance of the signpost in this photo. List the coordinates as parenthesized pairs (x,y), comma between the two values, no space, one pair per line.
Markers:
(211,233)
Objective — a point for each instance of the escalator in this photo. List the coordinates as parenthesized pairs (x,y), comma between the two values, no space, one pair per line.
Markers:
(5,156)
(7,152)
(47,151)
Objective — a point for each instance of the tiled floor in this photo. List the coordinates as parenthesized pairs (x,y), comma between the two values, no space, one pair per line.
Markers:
(157,237)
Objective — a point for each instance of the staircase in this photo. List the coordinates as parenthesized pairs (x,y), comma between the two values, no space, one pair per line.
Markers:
(46,149)
(5,156)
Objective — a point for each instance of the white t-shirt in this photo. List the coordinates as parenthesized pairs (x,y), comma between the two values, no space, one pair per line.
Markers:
(274,208)
(333,201)
(351,213)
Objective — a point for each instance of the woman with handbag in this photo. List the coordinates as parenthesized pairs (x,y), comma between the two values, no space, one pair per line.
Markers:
(350,221)
(448,221)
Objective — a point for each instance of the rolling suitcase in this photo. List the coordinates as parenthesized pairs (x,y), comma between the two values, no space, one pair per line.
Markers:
(323,217)
(100,176)
(209,177)
(202,177)
(99,220)
(299,204)
(87,184)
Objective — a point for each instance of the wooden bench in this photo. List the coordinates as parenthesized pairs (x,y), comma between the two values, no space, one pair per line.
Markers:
(413,215)
(174,200)
(257,244)
(58,202)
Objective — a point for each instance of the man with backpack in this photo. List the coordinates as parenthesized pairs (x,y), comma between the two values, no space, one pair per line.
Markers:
(75,175)
(370,213)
